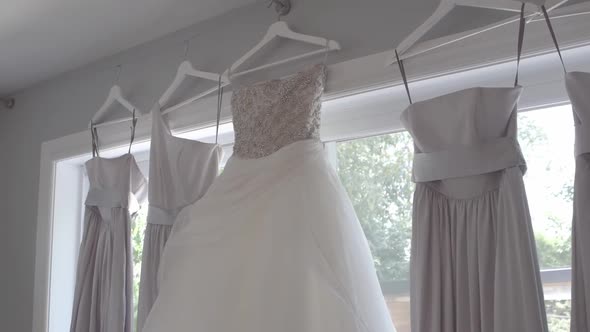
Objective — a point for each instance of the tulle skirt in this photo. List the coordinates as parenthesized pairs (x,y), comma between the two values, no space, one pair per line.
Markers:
(274,246)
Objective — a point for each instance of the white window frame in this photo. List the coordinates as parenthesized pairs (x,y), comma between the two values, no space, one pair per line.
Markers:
(362,99)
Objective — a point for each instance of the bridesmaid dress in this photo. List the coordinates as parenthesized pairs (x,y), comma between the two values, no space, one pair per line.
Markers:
(473,261)
(577,85)
(578,88)
(103,295)
(181,171)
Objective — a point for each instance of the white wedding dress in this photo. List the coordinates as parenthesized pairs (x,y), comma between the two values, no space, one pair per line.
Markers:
(274,245)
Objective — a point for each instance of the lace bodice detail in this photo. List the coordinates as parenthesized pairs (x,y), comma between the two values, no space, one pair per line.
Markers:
(272,114)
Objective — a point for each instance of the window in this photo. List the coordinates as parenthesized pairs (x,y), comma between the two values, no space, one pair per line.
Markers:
(547,140)
(360,102)
(376,172)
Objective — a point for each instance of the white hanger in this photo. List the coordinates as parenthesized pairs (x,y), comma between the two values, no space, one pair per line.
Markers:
(446,6)
(186,70)
(281,29)
(115,96)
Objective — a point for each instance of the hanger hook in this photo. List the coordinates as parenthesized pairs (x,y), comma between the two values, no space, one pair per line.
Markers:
(186,48)
(118,75)
(282,7)
(8,102)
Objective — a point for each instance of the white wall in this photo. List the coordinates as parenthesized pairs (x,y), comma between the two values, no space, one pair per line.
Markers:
(65,104)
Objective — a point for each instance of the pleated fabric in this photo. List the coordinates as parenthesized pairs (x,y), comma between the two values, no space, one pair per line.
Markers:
(578,87)
(103,295)
(474,264)
(181,171)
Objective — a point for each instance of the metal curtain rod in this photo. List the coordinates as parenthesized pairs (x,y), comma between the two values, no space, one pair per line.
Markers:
(282,7)
(8,102)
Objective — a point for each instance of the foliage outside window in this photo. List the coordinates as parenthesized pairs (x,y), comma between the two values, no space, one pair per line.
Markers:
(137,231)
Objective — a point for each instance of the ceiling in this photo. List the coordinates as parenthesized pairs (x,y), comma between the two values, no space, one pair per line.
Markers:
(42,38)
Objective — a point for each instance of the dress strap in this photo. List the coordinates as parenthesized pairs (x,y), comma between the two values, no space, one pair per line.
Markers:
(94,135)
(326,52)
(552,31)
(522,24)
(133,125)
(402,70)
(219,105)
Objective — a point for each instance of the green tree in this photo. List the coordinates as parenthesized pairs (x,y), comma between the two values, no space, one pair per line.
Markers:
(554,246)
(558,315)
(554,241)
(376,172)
(530,134)
(138,224)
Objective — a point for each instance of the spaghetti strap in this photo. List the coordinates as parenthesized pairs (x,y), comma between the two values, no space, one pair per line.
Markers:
(552,31)
(94,135)
(133,125)
(521,28)
(402,70)
(326,52)
(219,105)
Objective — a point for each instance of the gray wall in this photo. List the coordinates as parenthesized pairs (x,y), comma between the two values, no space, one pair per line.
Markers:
(65,104)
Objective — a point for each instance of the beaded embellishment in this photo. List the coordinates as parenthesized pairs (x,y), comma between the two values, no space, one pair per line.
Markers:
(272,114)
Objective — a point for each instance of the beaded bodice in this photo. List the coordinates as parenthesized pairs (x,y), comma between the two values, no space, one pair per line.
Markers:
(272,114)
